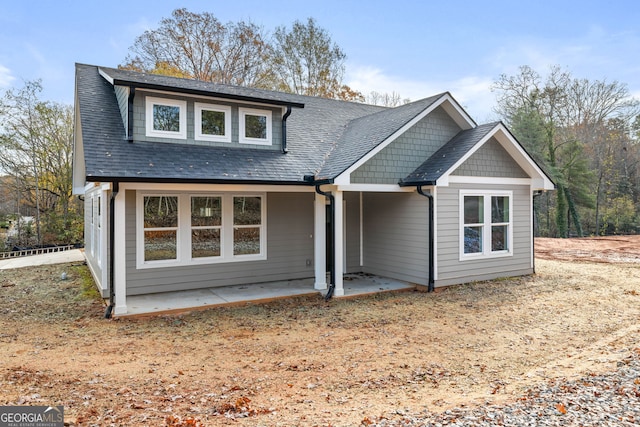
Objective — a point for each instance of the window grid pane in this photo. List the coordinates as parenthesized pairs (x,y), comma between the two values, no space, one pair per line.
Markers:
(499,235)
(473,209)
(206,211)
(160,211)
(246,241)
(166,118)
(160,245)
(247,210)
(472,240)
(255,126)
(205,243)
(213,122)
(499,209)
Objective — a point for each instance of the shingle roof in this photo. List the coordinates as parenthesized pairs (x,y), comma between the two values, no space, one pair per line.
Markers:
(447,156)
(324,138)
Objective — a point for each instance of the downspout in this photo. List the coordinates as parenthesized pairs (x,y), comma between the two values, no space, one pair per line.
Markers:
(132,94)
(112,221)
(430,288)
(284,129)
(332,225)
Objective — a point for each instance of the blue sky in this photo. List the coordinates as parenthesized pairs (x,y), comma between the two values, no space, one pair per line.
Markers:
(415,48)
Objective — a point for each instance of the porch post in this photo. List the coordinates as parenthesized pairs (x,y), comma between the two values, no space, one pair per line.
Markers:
(338,244)
(320,242)
(119,265)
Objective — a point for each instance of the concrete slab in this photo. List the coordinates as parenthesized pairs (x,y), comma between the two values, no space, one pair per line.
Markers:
(184,301)
(74,255)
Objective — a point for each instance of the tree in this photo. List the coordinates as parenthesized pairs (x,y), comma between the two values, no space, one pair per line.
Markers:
(198,46)
(305,61)
(560,120)
(37,141)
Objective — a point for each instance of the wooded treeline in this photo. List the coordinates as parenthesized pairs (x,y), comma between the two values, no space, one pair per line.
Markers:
(585,134)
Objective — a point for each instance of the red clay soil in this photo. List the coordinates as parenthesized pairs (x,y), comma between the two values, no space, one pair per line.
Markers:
(596,249)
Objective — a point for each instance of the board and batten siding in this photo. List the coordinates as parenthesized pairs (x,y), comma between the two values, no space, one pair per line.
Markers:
(396,236)
(290,230)
(408,151)
(451,270)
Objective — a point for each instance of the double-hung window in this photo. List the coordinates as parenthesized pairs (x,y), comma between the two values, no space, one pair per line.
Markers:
(255,126)
(212,122)
(185,229)
(166,118)
(486,224)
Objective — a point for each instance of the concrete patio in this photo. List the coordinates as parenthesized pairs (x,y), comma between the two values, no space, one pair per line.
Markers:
(199,299)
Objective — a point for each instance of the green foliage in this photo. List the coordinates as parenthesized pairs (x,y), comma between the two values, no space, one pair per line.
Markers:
(87,289)
(620,216)
(581,132)
(36,138)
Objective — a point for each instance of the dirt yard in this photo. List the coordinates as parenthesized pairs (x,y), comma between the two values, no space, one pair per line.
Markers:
(304,362)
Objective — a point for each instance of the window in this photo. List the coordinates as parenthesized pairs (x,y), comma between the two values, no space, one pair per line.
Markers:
(206,224)
(166,118)
(160,218)
(184,229)
(255,126)
(247,218)
(212,122)
(485,224)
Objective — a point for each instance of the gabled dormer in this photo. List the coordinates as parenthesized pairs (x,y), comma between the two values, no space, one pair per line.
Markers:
(157,108)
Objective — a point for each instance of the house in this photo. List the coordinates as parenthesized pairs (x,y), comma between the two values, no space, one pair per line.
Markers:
(191,185)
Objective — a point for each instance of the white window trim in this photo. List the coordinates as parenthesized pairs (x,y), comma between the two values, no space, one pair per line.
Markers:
(150,101)
(183,249)
(486,225)
(243,139)
(199,107)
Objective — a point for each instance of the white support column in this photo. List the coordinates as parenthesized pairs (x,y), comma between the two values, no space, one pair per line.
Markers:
(320,242)
(119,265)
(338,243)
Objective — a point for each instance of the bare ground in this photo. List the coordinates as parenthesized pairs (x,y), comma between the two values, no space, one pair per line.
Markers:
(302,361)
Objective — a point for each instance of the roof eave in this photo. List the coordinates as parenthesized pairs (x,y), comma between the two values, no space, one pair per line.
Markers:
(151,86)
(96,178)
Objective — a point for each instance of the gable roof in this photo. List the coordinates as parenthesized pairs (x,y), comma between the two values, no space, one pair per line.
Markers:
(325,137)
(436,169)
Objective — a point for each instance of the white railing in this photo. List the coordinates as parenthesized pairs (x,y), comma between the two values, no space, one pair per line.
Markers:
(38,251)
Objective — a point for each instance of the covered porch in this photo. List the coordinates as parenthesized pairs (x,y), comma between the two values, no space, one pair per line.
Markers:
(200,299)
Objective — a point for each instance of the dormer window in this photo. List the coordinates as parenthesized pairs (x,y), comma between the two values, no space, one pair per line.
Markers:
(166,118)
(255,126)
(212,122)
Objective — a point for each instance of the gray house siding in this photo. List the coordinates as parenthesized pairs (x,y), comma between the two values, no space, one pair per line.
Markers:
(289,252)
(408,151)
(140,133)
(453,271)
(352,236)
(396,236)
(491,160)
(122,94)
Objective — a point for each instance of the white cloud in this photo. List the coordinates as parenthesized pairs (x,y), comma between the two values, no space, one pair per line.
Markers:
(472,92)
(6,78)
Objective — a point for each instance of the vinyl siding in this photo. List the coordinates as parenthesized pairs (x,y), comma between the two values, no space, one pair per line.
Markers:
(352,237)
(396,236)
(453,271)
(491,160)
(289,225)
(408,151)
(140,133)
